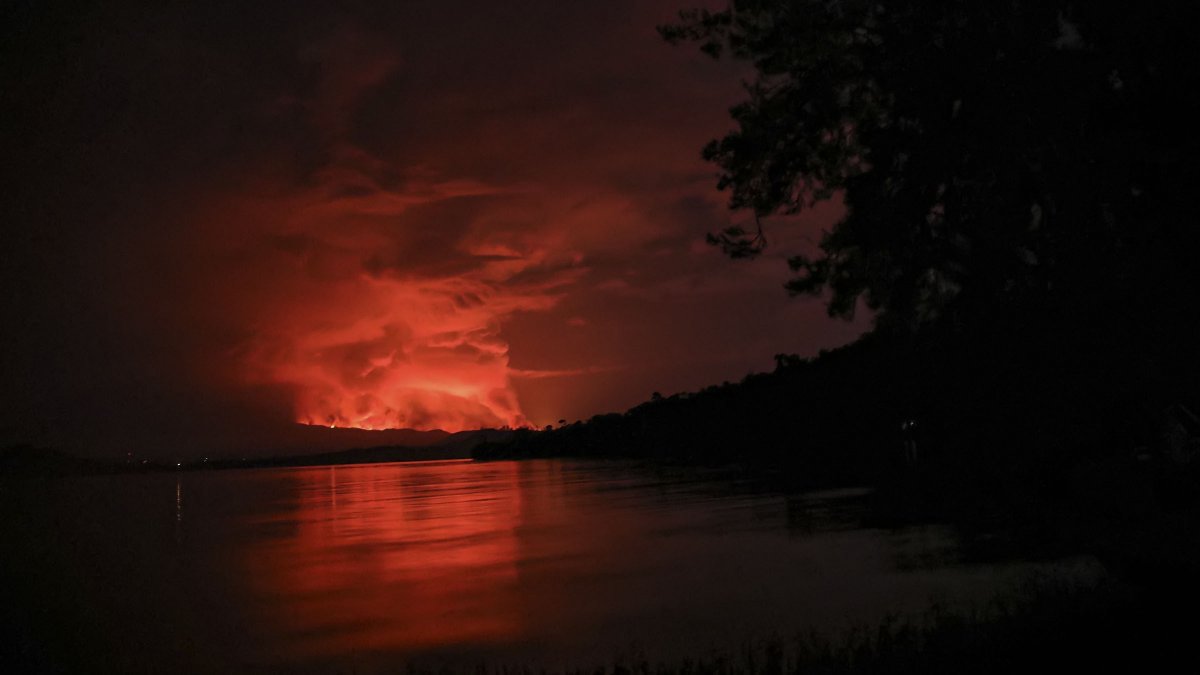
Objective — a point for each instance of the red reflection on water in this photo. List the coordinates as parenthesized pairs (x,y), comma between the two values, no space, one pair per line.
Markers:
(399,558)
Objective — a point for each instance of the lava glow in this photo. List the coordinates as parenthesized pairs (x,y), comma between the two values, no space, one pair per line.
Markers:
(381,313)
(397,374)
(402,353)
(227,223)
(371,281)
(373,559)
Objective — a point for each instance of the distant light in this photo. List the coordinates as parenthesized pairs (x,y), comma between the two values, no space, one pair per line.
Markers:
(178,463)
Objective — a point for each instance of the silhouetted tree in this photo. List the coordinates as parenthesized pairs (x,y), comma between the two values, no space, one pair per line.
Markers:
(996,158)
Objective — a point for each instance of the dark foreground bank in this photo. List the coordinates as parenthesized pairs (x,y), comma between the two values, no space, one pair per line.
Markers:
(1042,626)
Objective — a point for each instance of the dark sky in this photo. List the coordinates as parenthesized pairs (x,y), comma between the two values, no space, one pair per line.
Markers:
(221,218)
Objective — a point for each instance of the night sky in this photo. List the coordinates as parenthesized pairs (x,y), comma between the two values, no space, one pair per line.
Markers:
(224,218)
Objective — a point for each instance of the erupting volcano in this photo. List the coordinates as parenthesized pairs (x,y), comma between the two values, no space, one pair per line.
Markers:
(452,386)
(388,301)
(396,215)
(361,345)
(405,378)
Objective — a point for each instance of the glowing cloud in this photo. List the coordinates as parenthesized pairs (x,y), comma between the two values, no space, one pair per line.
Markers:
(386,294)
(386,305)
(380,214)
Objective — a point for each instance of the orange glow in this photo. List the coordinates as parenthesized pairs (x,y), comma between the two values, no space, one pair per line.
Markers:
(417,368)
(376,284)
(373,324)
(362,223)
(401,355)
(393,557)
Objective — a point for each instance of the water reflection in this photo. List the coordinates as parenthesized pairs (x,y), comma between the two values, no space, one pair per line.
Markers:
(178,509)
(396,557)
(563,564)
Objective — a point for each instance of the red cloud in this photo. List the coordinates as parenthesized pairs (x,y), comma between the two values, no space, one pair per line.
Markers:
(382,306)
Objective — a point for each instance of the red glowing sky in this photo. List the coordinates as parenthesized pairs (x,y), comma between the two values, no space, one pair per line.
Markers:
(432,215)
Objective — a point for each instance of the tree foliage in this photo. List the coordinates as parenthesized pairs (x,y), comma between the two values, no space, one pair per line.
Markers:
(992,156)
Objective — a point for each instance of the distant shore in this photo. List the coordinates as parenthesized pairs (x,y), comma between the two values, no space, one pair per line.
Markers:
(33,461)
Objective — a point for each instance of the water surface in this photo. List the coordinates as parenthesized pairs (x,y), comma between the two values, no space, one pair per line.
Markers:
(558,563)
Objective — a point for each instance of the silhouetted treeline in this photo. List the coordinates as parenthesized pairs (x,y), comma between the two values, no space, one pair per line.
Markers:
(1017,212)
(1031,397)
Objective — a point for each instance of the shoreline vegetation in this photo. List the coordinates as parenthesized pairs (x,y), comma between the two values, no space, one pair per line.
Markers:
(1026,449)
(1029,450)
(1043,622)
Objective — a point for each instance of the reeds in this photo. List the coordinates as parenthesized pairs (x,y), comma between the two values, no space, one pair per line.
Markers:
(1048,622)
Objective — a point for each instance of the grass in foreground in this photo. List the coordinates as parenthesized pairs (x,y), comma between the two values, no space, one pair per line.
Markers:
(1046,624)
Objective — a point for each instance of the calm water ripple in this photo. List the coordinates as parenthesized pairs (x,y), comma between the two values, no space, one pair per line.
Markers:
(552,562)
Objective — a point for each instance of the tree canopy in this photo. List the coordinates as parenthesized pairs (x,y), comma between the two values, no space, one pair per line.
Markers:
(993,156)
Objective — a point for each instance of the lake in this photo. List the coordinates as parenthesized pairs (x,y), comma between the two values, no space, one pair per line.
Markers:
(556,563)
